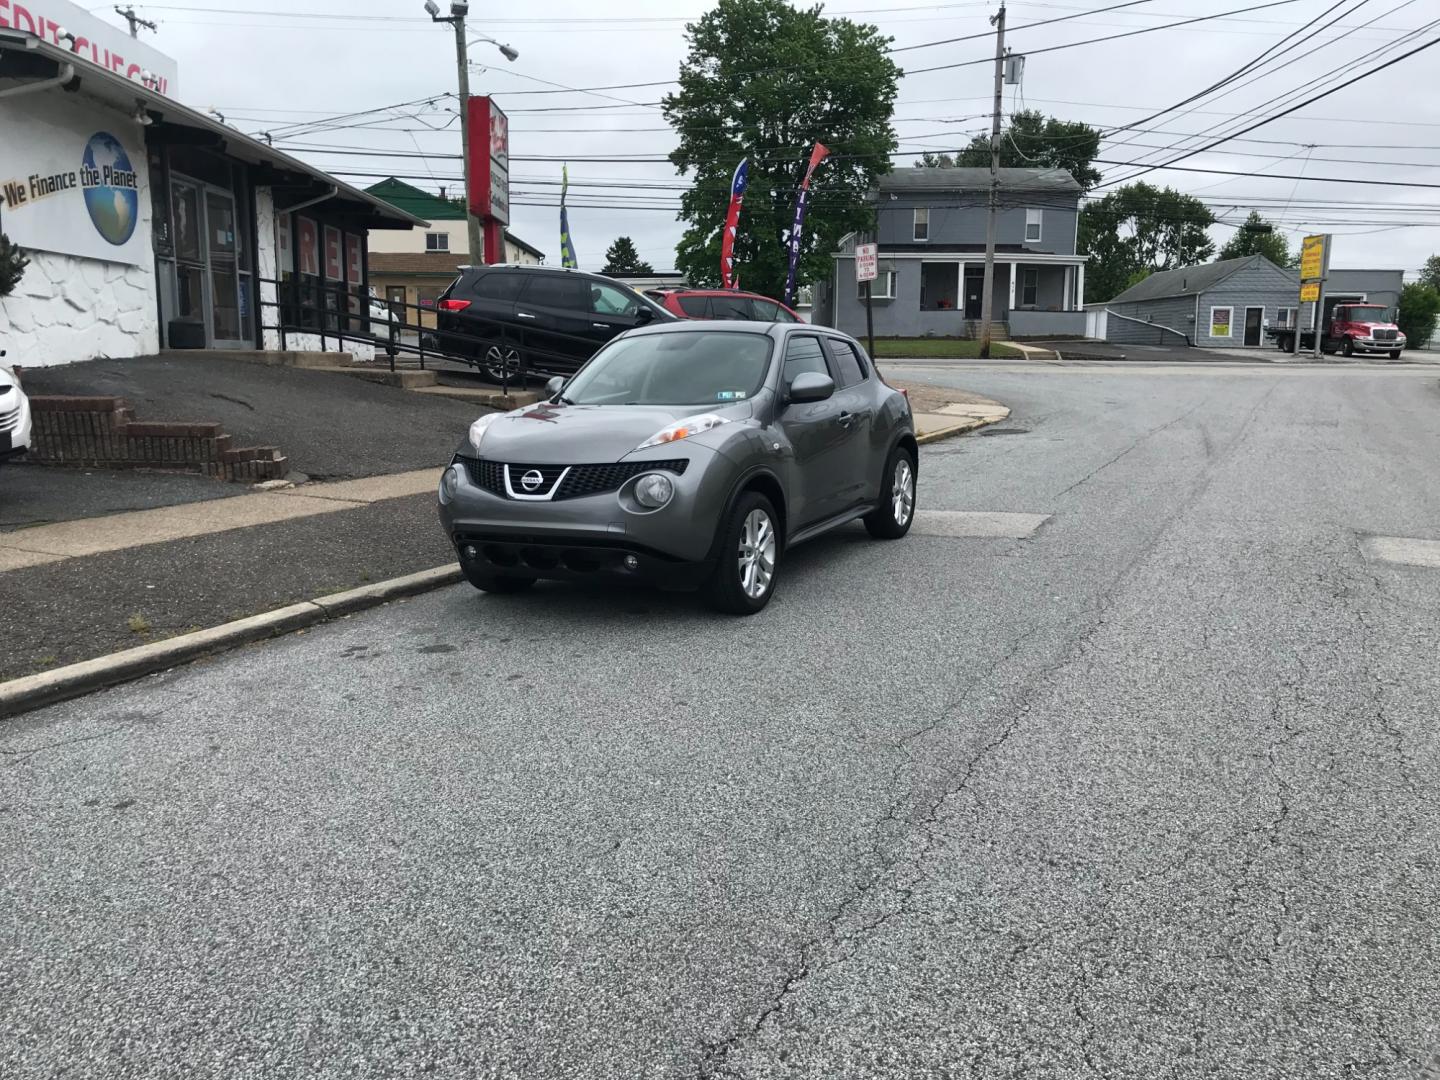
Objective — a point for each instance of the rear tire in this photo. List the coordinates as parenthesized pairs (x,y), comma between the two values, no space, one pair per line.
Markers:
(498,360)
(895,514)
(749,544)
(1286,343)
(489,582)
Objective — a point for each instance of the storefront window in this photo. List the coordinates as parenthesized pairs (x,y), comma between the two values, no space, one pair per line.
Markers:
(308,251)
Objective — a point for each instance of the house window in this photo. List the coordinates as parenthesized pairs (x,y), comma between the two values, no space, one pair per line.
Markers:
(882,288)
(1220,319)
(1285,317)
(437,241)
(1029,286)
(1033,220)
(922,224)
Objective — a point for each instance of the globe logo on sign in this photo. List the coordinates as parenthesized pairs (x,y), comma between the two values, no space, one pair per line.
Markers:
(112,192)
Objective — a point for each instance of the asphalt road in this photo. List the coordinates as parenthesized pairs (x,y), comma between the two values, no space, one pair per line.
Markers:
(1151,794)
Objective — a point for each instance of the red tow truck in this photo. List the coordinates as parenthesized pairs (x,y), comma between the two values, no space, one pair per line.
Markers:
(1349,327)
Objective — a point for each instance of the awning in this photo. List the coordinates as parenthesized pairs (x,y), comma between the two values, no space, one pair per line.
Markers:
(27,58)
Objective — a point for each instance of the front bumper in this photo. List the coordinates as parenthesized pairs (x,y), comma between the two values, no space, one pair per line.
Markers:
(1374,345)
(595,535)
(15,425)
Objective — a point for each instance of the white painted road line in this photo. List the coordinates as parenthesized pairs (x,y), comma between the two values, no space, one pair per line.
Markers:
(983,525)
(1405,550)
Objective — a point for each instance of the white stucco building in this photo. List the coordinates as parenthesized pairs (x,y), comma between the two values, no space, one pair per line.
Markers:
(151,226)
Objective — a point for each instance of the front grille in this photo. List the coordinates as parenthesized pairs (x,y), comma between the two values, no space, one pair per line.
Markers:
(580,481)
(1383,335)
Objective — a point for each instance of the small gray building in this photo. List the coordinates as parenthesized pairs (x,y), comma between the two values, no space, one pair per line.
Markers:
(930,230)
(1370,286)
(1220,304)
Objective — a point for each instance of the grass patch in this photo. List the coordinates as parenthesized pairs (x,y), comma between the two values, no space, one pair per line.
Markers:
(138,624)
(937,348)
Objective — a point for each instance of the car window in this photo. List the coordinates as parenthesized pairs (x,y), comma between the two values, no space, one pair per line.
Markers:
(696,306)
(691,367)
(803,354)
(770,311)
(608,300)
(731,307)
(497,286)
(557,291)
(848,368)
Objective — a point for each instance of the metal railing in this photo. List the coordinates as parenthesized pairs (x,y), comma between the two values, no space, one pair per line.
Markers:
(335,314)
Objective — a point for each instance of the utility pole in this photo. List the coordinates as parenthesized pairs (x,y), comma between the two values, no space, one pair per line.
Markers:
(462,62)
(135,21)
(987,295)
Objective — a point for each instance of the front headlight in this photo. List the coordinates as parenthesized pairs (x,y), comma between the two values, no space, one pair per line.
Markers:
(449,481)
(683,429)
(654,490)
(477,429)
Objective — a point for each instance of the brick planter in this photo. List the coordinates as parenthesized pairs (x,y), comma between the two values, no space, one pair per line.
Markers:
(102,432)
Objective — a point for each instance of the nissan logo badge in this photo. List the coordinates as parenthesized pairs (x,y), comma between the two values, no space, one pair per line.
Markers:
(532,480)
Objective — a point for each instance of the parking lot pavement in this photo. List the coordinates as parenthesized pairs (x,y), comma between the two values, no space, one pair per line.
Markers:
(328,426)
(1147,793)
(33,495)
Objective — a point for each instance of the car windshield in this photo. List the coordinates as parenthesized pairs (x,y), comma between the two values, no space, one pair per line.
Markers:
(1366,313)
(699,367)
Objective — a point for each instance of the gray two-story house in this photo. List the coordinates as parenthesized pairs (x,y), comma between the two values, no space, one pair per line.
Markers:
(930,228)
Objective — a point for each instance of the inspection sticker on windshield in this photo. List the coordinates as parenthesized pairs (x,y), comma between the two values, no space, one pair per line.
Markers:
(729,395)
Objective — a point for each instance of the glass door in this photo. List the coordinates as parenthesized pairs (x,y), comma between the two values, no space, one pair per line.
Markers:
(190,303)
(225,313)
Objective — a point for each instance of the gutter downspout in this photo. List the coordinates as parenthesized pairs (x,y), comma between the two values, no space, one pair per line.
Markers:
(334,190)
(66,74)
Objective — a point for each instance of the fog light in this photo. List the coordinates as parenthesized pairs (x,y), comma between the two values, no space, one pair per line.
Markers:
(654,490)
(468,551)
(631,562)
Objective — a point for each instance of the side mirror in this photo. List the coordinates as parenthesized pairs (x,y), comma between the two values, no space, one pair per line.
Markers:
(644,315)
(554,386)
(810,386)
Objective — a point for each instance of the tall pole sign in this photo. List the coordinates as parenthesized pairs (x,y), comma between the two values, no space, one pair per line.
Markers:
(867,269)
(487,191)
(1314,266)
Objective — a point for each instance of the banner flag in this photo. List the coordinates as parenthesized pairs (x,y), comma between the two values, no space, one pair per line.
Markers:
(728,278)
(567,249)
(817,155)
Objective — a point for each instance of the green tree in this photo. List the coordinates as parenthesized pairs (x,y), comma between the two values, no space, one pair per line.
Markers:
(1032,140)
(623,259)
(12,265)
(1141,228)
(1431,274)
(1419,308)
(1258,237)
(765,80)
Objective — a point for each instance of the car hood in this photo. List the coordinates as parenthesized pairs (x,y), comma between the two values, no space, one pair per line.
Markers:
(552,434)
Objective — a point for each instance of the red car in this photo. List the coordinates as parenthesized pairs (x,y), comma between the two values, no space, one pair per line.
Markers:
(722,304)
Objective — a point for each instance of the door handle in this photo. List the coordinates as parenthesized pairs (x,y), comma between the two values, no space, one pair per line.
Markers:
(601,325)
(523,315)
(846,419)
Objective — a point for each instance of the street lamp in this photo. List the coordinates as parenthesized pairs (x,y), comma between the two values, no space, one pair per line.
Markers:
(458,10)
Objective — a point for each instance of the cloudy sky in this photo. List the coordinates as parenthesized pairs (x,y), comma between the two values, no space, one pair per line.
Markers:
(290,68)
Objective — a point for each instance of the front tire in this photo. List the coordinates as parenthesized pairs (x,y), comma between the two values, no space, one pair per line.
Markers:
(895,514)
(1394,354)
(489,582)
(749,545)
(1347,348)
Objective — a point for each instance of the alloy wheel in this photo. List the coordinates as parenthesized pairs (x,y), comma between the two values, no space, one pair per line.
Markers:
(499,361)
(757,554)
(902,491)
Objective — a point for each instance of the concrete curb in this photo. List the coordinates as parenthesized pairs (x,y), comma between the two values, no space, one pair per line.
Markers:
(950,432)
(33,691)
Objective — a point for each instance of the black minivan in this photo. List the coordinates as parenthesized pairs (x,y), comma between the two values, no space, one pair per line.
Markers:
(545,319)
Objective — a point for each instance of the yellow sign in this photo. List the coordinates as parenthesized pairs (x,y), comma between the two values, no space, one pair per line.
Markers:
(1310,292)
(1312,258)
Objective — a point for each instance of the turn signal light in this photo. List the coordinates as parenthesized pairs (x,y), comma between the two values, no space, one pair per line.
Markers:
(453,305)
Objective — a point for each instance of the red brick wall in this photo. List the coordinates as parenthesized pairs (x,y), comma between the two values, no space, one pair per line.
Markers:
(102,432)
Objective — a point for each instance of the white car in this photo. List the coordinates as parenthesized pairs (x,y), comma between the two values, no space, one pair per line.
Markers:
(14,416)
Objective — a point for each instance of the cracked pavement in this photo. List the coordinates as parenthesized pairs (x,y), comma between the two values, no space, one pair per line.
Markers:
(1150,794)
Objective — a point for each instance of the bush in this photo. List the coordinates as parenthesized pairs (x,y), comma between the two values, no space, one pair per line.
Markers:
(1419,307)
(12,265)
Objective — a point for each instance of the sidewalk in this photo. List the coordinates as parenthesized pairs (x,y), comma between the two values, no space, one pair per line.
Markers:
(941,411)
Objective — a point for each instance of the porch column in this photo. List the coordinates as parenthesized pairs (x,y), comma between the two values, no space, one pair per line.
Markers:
(1013,275)
(1069,286)
(960,288)
(1080,287)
